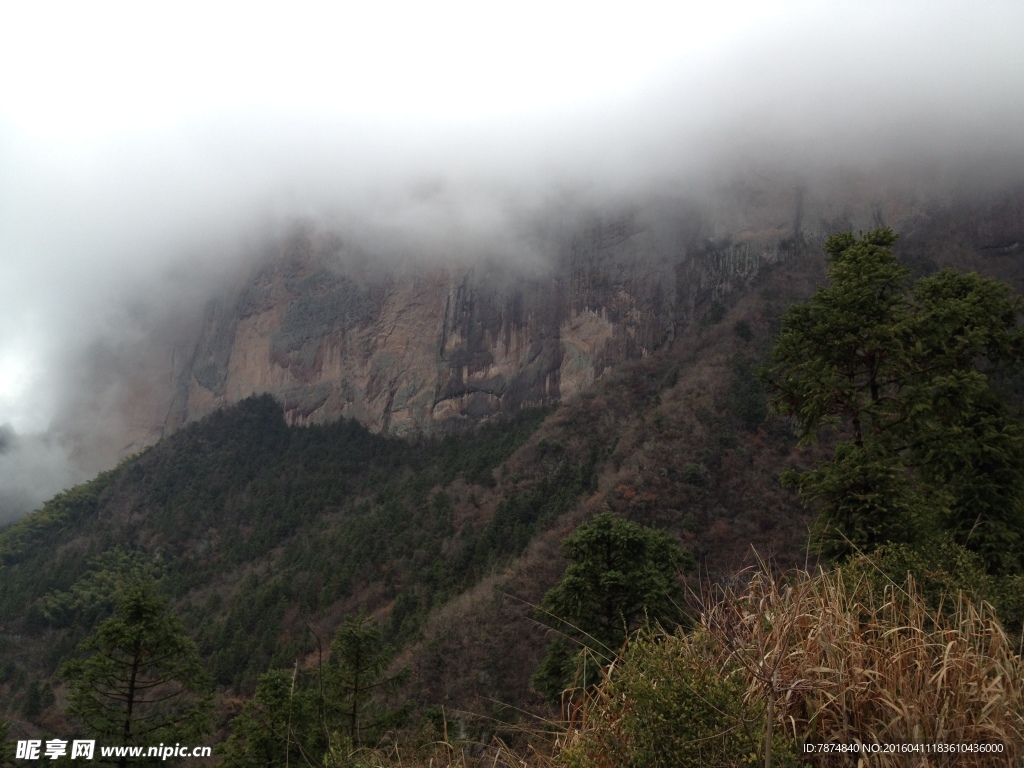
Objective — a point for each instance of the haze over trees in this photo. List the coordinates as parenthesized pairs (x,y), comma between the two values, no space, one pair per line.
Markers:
(262,533)
(400,303)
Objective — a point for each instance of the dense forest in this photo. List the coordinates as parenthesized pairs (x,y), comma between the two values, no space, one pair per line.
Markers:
(799,522)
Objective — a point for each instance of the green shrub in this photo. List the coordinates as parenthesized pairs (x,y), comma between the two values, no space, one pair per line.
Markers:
(941,570)
(667,703)
(694,475)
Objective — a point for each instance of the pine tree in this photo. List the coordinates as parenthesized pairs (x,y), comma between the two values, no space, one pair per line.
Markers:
(282,724)
(324,713)
(620,577)
(911,376)
(141,681)
(356,679)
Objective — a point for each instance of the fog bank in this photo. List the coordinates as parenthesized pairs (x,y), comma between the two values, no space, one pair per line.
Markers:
(146,156)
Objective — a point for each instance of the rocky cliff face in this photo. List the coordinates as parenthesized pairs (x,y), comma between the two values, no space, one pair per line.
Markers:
(428,347)
(333,331)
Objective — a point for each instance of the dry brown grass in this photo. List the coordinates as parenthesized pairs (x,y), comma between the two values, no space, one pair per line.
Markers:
(841,663)
(442,754)
(824,660)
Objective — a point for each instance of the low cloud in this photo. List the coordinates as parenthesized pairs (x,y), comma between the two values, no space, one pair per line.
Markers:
(144,161)
(32,469)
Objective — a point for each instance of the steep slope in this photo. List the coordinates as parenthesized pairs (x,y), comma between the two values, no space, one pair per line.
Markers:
(266,533)
(332,330)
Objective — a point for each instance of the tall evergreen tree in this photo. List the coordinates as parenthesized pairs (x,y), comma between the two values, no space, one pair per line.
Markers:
(299,716)
(620,576)
(141,681)
(910,376)
(357,679)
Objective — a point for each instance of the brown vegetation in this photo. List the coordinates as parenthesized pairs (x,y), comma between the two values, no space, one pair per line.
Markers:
(822,660)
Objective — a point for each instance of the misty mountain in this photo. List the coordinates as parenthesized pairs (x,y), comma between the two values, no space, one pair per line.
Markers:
(270,517)
(335,327)
(33,467)
(341,321)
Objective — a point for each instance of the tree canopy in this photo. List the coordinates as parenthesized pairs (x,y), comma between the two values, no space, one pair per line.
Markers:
(620,577)
(915,381)
(142,681)
(299,716)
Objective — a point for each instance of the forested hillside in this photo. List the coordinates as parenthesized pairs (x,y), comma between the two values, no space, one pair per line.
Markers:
(266,539)
(265,534)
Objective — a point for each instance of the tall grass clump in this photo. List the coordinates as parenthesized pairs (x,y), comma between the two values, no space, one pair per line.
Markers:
(668,702)
(780,663)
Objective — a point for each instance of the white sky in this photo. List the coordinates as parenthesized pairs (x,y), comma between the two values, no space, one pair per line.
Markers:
(138,137)
(89,70)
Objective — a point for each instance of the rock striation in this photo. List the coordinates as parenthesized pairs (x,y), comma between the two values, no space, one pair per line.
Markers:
(333,330)
(429,347)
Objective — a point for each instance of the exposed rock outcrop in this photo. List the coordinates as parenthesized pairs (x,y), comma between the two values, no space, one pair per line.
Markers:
(427,347)
(332,331)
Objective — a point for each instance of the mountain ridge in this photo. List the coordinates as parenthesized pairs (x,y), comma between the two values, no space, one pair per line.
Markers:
(333,330)
(268,533)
